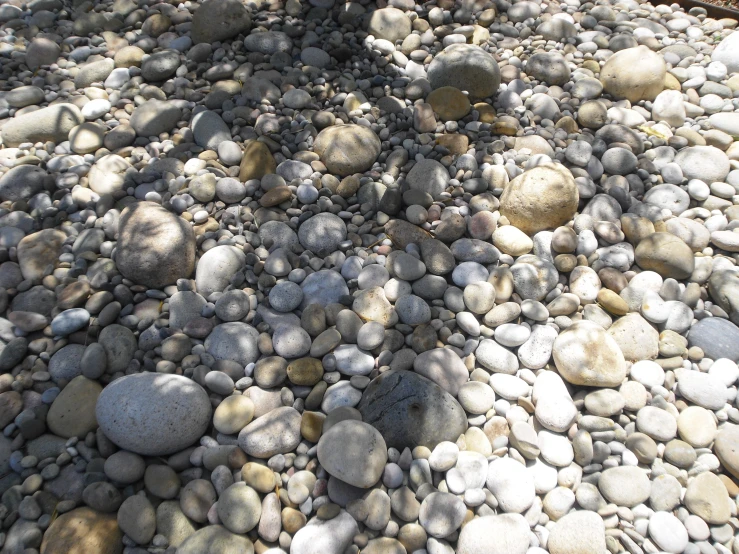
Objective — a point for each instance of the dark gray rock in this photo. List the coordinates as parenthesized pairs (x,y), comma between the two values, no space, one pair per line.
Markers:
(410,410)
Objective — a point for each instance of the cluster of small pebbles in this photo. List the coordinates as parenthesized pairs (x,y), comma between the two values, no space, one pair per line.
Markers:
(389,277)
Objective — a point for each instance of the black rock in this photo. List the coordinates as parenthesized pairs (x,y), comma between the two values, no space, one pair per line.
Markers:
(410,410)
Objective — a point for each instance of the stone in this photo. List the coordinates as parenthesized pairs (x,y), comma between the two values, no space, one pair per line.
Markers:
(216,267)
(331,536)
(726,52)
(389,24)
(354,452)
(466,67)
(443,367)
(410,410)
(668,532)
(428,176)
(268,42)
(624,485)
(579,532)
(81,531)
(585,355)
(38,253)
(276,432)
(153,414)
(441,514)
(549,67)
(73,412)
(541,198)
(137,519)
(449,103)
(347,149)
(726,448)
(209,130)
(22,182)
(717,337)
(665,254)
(256,162)
(723,286)
(707,163)
(512,484)
(239,508)
(636,337)
(635,73)
(707,498)
(215,539)
(233,414)
(322,233)
(154,117)
(495,534)
(52,123)
(108,174)
(155,247)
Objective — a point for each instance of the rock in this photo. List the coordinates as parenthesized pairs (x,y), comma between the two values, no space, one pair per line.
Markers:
(585,355)
(579,532)
(82,531)
(634,73)
(512,484)
(233,414)
(726,52)
(541,198)
(160,65)
(624,485)
(668,532)
(73,412)
(325,287)
(466,67)
(410,410)
(665,254)
(726,448)
(441,514)
(428,176)
(209,130)
(219,20)
(154,117)
(22,182)
(354,452)
(40,52)
(389,24)
(239,508)
(707,498)
(215,539)
(11,405)
(153,414)
(717,337)
(322,233)
(47,124)
(276,432)
(549,67)
(332,536)
(256,162)
(707,163)
(108,174)
(443,367)
(498,534)
(347,149)
(38,253)
(137,519)
(450,103)
(636,338)
(216,267)
(702,389)
(155,247)
(268,42)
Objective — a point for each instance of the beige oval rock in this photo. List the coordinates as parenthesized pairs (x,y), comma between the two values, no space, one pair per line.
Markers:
(39,253)
(726,448)
(47,124)
(634,73)
(665,254)
(83,531)
(347,149)
(707,498)
(544,197)
(586,355)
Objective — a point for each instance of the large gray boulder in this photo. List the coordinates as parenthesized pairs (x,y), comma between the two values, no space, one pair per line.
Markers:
(466,67)
(153,414)
(218,20)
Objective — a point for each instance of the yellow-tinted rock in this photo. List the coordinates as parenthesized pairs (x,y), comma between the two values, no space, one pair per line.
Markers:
(671,83)
(83,531)
(73,412)
(259,477)
(612,302)
(311,426)
(455,143)
(257,161)
(486,111)
(305,371)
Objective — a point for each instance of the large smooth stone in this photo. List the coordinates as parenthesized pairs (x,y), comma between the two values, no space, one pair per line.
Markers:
(83,531)
(331,536)
(410,410)
(726,447)
(719,338)
(47,124)
(153,414)
(347,149)
(634,73)
(234,340)
(218,20)
(276,432)
(586,355)
(544,197)
(155,246)
(354,452)
(73,412)
(466,67)
(215,539)
(216,267)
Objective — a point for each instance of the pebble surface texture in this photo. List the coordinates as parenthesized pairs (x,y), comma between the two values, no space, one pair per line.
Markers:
(368,277)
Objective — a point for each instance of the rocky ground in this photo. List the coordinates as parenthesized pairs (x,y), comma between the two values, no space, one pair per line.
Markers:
(324,278)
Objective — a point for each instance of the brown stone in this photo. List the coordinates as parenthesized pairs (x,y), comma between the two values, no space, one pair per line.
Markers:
(450,103)
(74,295)
(311,425)
(83,531)
(455,143)
(11,405)
(305,371)
(276,196)
(257,161)
(292,520)
(486,111)
(73,412)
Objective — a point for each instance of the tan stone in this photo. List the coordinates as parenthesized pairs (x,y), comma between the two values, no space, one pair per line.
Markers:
(311,426)
(259,477)
(305,371)
(83,531)
(73,412)
(38,253)
(450,103)
(707,497)
(612,302)
(257,161)
(276,196)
